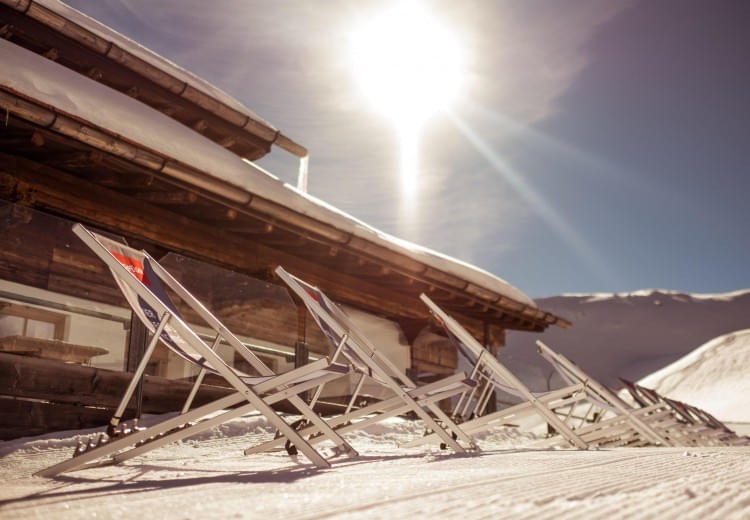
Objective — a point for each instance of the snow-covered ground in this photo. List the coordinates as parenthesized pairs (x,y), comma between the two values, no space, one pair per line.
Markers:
(715,377)
(208,477)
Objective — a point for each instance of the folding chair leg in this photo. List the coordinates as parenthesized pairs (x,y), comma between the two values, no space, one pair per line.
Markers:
(319,390)
(585,416)
(198,380)
(171,435)
(137,375)
(482,404)
(432,425)
(355,394)
(323,426)
(316,396)
(360,418)
(466,393)
(452,426)
(264,408)
(123,442)
(459,402)
(473,392)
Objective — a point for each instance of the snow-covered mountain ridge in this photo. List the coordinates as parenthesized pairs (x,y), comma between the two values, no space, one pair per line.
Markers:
(626,335)
(679,296)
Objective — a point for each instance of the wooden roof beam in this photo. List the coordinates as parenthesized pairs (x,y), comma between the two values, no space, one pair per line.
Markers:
(37,139)
(119,181)
(167,197)
(200,126)
(82,201)
(52,54)
(168,110)
(248,228)
(6,31)
(75,160)
(95,73)
(228,141)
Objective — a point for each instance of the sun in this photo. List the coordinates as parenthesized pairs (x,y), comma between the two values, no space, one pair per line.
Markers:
(409,67)
(407,64)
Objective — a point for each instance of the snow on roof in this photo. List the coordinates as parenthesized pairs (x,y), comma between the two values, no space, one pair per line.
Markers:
(51,84)
(149,56)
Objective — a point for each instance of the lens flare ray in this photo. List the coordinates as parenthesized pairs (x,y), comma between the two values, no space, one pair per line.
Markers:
(536,202)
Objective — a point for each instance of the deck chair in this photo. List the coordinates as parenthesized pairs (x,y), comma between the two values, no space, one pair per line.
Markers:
(623,425)
(368,362)
(681,426)
(493,376)
(722,432)
(691,425)
(143,282)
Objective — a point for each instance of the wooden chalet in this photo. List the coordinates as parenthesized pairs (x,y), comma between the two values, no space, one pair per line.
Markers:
(99,130)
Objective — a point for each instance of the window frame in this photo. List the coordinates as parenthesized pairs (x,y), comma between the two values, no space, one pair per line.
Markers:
(57,319)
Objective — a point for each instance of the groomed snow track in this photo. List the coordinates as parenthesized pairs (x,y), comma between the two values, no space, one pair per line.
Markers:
(211,479)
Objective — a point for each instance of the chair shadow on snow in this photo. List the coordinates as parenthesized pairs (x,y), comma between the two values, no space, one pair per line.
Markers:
(142,482)
(141,479)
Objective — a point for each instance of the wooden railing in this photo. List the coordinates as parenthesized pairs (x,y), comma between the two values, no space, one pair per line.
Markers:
(42,395)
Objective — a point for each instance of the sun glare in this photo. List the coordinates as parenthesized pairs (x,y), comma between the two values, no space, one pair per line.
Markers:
(407,64)
(409,67)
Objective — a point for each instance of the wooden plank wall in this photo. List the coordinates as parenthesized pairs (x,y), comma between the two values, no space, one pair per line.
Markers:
(40,250)
(40,395)
(435,358)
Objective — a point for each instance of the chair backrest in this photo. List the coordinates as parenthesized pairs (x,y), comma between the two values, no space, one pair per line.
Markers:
(706,417)
(335,324)
(136,274)
(651,395)
(475,354)
(606,402)
(565,374)
(634,392)
(465,351)
(468,352)
(468,348)
(683,411)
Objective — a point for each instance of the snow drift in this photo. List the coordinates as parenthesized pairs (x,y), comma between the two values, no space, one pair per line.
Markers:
(713,377)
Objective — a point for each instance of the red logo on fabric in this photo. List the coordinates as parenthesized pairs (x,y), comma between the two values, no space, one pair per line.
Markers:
(312,294)
(132,265)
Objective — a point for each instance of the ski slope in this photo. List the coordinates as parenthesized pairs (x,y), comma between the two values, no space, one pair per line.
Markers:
(208,477)
(715,377)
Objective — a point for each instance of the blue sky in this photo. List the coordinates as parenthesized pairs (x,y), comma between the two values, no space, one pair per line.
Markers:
(597,145)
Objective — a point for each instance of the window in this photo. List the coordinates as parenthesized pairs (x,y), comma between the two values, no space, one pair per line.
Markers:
(30,322)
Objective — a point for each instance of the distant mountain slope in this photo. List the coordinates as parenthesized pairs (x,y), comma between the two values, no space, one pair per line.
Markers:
(629,335)
(715,377)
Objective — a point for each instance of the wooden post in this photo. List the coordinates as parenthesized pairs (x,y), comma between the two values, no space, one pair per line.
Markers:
(301,352)
(492,401)
(134,354)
